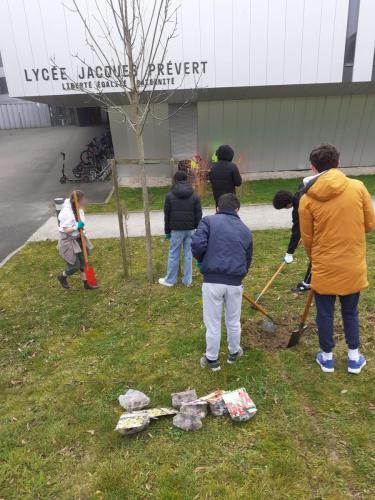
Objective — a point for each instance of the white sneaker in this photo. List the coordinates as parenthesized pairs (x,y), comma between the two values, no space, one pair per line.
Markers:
(356,366)
(162,281)
(327,365)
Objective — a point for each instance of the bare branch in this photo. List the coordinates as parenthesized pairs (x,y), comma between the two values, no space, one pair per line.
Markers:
(129,24)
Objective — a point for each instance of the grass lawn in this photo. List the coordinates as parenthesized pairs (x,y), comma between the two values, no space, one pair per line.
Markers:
(66,356)
(251,192)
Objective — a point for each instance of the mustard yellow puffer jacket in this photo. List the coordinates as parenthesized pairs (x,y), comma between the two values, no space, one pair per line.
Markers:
(335,214)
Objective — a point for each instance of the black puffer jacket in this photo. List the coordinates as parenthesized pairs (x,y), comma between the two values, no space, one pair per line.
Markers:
(182,208)
(224,177)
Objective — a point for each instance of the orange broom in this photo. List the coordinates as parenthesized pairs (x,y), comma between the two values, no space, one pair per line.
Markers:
(88,270)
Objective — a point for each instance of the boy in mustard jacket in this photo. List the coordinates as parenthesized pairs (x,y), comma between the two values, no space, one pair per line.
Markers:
(335,214)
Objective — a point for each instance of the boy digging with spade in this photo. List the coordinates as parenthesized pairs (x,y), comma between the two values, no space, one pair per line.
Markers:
(285,199)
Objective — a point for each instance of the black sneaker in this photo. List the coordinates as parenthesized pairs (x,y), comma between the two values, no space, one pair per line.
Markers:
(212,365)
(89,287)
(301,288)
(232,358)
(63,280)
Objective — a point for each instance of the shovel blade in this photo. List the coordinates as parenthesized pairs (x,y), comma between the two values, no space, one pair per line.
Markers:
(90,275)
(296,335)
(294,338)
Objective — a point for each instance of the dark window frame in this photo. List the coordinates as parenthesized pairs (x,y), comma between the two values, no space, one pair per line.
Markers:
(351,39)
(3,86)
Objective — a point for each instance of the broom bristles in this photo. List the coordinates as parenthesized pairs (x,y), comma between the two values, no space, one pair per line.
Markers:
(90,275)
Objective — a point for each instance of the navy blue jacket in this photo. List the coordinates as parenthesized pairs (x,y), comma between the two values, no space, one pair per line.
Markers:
(224,246)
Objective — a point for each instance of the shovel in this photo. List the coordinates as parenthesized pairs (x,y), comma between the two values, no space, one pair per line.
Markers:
(296,334)
(260,308)
(268,285)
(88,270)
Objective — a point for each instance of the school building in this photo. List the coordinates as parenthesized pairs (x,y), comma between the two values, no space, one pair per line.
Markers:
(272,78)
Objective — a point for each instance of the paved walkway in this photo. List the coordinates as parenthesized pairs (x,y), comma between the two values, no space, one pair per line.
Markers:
(106,225)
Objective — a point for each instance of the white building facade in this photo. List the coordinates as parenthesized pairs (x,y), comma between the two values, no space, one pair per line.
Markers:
(270,77)
(16,113)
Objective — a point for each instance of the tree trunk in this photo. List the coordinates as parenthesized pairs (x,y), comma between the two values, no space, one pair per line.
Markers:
(146,205)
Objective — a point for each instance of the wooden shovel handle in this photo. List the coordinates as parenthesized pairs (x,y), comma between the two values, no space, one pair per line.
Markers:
(268,285)
(307,306)
(261,309)
(83,239)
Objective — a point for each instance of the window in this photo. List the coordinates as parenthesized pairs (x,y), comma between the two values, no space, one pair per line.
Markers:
(351,39)
(183,130)
(3,86)
(1,61)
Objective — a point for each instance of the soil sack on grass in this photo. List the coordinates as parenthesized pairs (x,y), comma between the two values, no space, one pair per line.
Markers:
(178,398)
(133,400)
(240,406)
(137,421)
(216,403)
(197,408)
(131,423)
(254,336)
(187,422)
(161,412)
(155,413)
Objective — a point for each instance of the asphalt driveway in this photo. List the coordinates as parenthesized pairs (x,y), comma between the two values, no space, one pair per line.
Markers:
(30,169)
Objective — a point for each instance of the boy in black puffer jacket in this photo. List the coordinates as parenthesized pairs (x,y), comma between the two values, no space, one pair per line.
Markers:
(182,214)
(224,174)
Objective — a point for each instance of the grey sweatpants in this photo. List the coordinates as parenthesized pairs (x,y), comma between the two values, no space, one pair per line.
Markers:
(215,296)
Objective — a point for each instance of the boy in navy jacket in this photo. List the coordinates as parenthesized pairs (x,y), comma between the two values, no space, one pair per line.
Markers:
(223,248)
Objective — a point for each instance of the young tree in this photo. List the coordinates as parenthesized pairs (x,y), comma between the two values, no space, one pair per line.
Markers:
(132,36)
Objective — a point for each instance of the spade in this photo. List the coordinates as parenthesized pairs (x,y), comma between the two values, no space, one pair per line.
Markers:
(296,334)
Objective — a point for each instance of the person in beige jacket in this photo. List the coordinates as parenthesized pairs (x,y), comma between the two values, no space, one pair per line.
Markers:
(335,214)
(69,244)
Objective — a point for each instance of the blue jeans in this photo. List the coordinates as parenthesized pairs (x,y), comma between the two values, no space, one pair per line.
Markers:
(180,239)
(325,308)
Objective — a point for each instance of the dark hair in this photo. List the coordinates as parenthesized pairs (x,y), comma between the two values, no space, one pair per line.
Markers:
(225,153)
(228,203)
(80,195)
(282,199)
(180,175)
(324,156)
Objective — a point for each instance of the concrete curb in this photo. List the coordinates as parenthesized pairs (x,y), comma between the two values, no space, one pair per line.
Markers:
(134,181)
(109,195)
(12,254)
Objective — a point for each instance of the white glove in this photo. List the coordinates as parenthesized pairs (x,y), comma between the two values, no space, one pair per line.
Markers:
(288,259)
